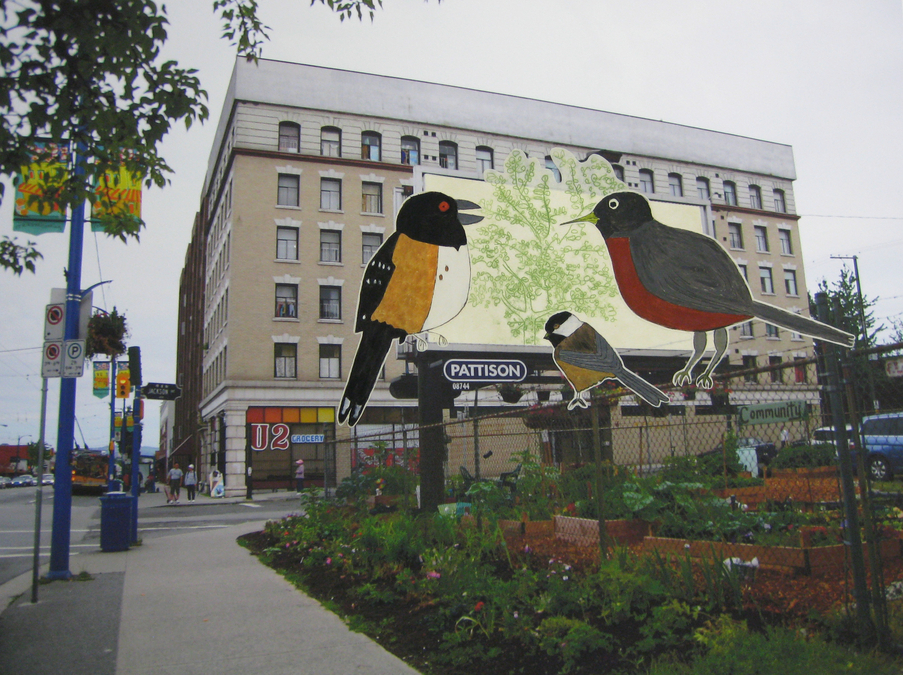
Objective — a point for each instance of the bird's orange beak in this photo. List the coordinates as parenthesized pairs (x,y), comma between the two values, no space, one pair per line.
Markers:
(588,218)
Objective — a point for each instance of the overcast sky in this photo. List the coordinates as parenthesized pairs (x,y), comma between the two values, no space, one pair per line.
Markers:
(823,76)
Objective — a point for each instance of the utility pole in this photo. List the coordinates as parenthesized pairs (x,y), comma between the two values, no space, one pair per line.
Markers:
(62,491)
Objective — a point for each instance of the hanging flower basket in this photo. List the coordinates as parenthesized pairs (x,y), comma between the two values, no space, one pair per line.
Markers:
(510,393)
(106,334)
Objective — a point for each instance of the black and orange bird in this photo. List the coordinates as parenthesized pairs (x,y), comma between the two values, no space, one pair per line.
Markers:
(587,360)
(418,280)
(685,281)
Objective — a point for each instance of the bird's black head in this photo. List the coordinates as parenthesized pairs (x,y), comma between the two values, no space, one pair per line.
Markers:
(436,218)
(621,212)
(618,214)
(553,324)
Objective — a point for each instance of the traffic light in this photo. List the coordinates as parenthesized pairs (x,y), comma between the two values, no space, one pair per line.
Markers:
(135,365)
(123,385)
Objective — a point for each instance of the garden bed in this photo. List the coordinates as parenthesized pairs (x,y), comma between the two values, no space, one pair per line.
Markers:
(802,488)
(586,530)
(805,560)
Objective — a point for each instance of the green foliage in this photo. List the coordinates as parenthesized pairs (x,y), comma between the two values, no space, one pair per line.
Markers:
(729,646)
(804,456)
(91,73)
(524,261)
(18,258)
(106,334)
(845,292)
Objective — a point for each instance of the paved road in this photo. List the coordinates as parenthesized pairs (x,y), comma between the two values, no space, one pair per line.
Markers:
(155,519)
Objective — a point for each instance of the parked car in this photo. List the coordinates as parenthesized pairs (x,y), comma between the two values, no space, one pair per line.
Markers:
(25,480)
(882,443)
(5,482)
(47,479)
(826,435)
(751,453)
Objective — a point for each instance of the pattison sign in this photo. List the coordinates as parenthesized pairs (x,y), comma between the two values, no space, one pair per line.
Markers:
(764,413)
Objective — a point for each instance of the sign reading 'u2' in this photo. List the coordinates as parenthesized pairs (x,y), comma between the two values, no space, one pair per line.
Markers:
(278,437)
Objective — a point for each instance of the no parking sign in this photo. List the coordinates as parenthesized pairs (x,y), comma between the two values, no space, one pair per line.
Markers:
(52,363)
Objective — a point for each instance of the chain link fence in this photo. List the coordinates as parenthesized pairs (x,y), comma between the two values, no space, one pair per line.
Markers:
(748,472)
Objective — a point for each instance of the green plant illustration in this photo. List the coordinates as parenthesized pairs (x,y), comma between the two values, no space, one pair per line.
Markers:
(525,261)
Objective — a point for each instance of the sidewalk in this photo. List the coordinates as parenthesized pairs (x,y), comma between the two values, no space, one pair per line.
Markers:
(185,603)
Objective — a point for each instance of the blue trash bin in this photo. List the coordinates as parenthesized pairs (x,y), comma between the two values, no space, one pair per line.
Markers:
(115,521)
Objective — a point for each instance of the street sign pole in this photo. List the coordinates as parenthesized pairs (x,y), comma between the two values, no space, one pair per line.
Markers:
(39,496)
(62,491)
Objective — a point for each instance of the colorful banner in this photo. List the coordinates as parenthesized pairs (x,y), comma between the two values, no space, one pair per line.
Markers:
(35,211)
(101,379)
(118,194)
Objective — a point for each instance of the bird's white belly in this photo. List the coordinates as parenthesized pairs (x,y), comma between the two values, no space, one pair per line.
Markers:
(452,286)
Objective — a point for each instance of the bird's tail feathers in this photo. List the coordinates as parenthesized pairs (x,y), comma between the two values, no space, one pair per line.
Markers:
(649,393)
(368,361)
(802,324)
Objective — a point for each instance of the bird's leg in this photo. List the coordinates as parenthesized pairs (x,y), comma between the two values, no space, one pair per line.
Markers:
(421,341)
(685,375)
(578,400)
(719,337)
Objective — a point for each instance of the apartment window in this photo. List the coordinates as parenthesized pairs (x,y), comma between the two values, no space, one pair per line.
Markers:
(761,239)
(771,331)
(371,243)
(676,183)
(730,193)
(647,182)
(780,205)
(746,329)
(330,302)
(285,361)
(289,137)
(410,150)
(371,144)
(330,194)
(736,235)
(286,243)
(800,374)
(755,197)
(702,187)
(289,190)
(372,198)
(331,362)
(749,363)
(619,172)
(777,375)
(287,301)
(766,281)
(485,158)
(743,271)
(448,155)
(784,238)
(790,282)
(331,142)
(330,246)
(550,165)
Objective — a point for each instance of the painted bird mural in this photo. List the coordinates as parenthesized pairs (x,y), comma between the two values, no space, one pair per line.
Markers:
(587,360)
(685,281)
(418,280)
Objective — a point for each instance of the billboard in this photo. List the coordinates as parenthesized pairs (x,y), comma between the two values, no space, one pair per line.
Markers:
(526,265)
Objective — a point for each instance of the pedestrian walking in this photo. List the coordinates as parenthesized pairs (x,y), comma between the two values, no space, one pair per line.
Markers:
(175,483)
(191,482)
(299,475)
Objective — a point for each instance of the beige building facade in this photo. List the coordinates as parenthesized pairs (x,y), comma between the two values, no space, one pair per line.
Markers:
(307,171)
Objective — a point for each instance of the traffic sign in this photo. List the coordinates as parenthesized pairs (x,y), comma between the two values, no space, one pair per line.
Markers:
(54,321)
(161,392)
(73,358)
(52,362)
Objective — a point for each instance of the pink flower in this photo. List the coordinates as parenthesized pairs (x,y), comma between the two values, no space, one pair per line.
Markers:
(328,561)
(433,575)
(479,606)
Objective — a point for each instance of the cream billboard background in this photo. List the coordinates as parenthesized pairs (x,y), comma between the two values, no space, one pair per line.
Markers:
(487,323)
